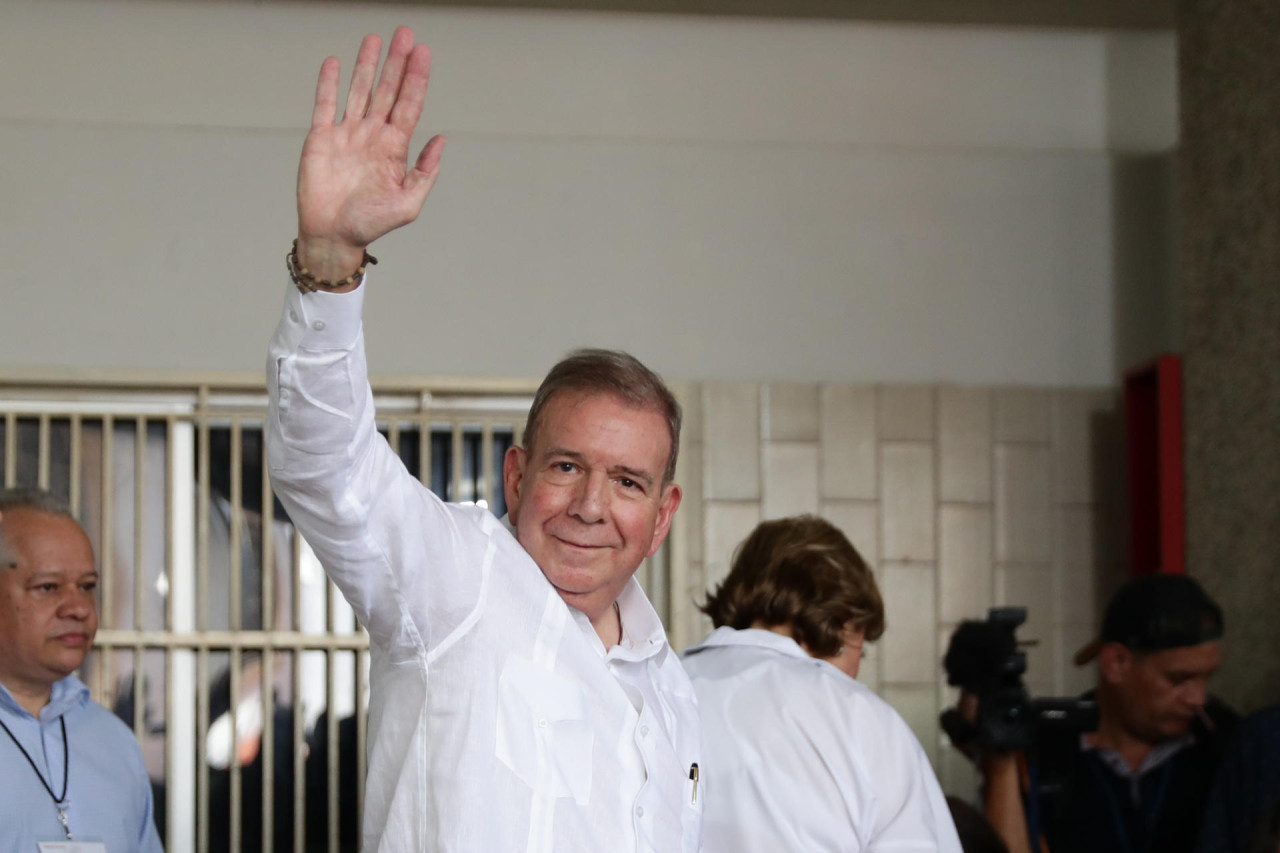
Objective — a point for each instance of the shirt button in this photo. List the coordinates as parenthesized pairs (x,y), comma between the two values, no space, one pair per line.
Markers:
(318,325)
(293,315)
(639,811)
(284,394)
(644,730)
(542,724)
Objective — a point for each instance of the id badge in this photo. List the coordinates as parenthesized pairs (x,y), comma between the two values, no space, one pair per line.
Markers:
(71,847)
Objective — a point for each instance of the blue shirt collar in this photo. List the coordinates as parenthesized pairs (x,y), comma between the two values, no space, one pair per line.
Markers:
(68,694)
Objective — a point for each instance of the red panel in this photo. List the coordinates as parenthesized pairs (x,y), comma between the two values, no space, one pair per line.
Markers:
(1172,493)
(1153,427)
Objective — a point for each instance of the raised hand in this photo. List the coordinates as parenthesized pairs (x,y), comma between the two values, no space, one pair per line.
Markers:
(353,181)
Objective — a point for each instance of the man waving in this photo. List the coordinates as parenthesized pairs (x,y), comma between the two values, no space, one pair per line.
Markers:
(523,694)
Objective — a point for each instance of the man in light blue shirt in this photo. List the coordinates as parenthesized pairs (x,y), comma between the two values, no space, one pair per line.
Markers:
(69,769)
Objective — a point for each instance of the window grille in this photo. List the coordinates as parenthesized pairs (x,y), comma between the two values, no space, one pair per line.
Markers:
(246,687)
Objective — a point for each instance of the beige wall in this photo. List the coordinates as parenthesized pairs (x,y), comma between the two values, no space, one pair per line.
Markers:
(823,204)
(960,497)
(730,199)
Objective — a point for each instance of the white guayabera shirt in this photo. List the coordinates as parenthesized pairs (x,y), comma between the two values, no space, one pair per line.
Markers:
(497,720)
(799,756)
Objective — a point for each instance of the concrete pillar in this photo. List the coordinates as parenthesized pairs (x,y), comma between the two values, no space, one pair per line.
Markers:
(1229,176)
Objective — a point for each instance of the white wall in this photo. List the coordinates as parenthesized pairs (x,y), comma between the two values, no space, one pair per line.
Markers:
(726,198)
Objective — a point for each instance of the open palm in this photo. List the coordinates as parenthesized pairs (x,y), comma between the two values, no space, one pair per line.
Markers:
(354,181)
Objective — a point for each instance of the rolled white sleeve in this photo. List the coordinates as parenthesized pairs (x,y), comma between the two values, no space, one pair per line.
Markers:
(389,544)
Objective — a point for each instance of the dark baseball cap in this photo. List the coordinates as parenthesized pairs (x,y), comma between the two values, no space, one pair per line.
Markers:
(1156,612)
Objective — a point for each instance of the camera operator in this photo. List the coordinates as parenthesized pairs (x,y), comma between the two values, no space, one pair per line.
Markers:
(1139,783)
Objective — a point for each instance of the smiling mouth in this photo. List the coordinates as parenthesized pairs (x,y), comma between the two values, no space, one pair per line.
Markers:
(580,545)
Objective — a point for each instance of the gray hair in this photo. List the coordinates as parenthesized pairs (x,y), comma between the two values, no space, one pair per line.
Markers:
(35,500)
(609,372)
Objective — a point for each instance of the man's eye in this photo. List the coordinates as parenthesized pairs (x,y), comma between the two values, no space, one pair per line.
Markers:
(628,483)
(47,587)
(565,467)
(89,586)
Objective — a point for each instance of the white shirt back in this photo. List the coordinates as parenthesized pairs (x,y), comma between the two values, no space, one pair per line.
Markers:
(801,757)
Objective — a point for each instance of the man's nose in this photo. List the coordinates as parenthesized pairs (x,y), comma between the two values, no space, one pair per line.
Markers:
(591,498)
(77,604)
(1197,692)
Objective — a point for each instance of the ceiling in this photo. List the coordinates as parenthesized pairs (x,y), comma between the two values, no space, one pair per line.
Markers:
(1089,14)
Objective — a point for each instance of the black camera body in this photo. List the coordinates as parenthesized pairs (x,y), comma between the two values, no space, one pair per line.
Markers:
(987,660)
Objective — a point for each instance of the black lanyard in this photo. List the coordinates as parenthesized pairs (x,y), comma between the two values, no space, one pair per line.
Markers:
(61,801)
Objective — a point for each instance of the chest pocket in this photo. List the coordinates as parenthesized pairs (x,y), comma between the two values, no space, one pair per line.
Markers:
(543,735)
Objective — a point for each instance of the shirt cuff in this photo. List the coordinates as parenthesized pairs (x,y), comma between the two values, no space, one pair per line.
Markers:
(324,321)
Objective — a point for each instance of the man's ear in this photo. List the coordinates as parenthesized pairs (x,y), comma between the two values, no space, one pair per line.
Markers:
(670,502)
(513,465)
(1114,662)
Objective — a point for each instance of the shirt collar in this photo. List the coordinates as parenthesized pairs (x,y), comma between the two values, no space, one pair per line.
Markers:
(758,637)
(1159,754)
(642,633)
(505,521)
(68,694)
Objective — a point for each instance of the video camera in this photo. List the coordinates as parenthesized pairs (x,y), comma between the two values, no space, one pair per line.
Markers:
(987,660)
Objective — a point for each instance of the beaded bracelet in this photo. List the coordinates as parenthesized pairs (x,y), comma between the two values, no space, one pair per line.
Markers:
(308,283)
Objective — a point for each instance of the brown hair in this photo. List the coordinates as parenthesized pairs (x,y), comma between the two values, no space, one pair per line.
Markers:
(803,573)
(609,372)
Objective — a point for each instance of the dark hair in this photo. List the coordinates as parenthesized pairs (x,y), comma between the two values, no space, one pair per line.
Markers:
(1154,612)
(609,372)
(800,572)
(1160,611)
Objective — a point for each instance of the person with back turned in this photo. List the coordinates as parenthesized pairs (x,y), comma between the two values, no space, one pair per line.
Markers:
(799,755)
(70,771)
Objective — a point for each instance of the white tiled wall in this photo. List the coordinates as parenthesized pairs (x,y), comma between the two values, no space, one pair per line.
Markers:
(965,563)
(907,498)
(959,497)
(846,441)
